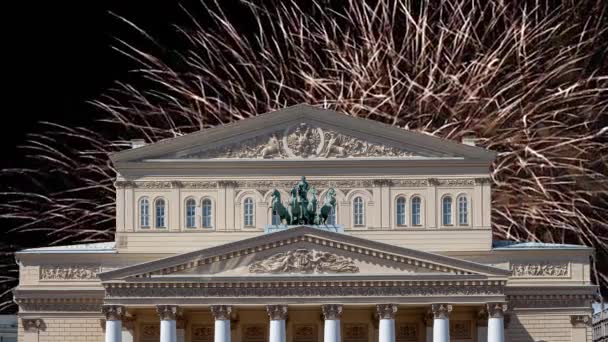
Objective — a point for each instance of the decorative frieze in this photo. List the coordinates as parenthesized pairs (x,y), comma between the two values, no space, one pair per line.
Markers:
(304,289)
(277,312)
(32,325)
(304,333)
(550,300)
(221,312)
(460,330)
(59,304)
(201,333)
(356,332)
(536,270)
(332,311)
(496,310)
(200,184)
(407,332)
(113,312)
(580,321)
(69,272)
(167,312)
(441,311)
(304,261)
(386,311)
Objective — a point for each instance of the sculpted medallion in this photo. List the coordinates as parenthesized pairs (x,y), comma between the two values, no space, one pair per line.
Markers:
(304,261)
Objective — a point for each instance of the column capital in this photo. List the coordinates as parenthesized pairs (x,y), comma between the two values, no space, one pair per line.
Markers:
(167,312)
(482,317)
(496,310)
(386,311)
(441,310)
(332,311)
(277,312)
(221,312)
(113,312)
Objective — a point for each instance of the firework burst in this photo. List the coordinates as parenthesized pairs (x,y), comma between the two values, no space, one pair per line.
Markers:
(527,78)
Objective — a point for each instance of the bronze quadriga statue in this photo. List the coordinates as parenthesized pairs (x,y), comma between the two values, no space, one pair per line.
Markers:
(301,209)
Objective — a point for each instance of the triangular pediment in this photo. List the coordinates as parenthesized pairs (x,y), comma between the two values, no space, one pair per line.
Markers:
(306,252)
(303,132)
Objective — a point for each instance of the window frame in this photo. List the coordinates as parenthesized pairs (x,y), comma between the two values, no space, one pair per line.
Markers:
(401,214)
(165,213)
(251,215)
(355,214)
(443,211)
(187,214)
(141,214)
(466,211)
(210,216)
(412,201)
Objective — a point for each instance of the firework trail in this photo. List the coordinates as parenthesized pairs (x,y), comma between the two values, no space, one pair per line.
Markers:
(528,78)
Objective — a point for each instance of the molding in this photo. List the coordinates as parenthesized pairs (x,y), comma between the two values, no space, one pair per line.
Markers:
(54,304)
(386,311)
(113,312)
(277,312)
(332,311)
(441,311)
(167,312)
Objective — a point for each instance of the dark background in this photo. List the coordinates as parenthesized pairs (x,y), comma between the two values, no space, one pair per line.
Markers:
(60,56)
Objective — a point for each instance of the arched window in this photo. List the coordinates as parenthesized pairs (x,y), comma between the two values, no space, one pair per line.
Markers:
(207,209)
(400,211)
(191,213)
(159,206)
(331,219)
(144,213)
(463,211)
(416,204)
(447,210)
(358,211)
(276,219)
(248,212)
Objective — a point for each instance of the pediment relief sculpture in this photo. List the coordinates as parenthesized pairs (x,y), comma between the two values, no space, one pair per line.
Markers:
(302,141)
(304,261)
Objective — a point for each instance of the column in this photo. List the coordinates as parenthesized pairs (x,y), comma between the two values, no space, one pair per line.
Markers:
(332,314)
(114,314)
(496,322)
(482,325)
(386,315)
(221,314)
(441,322)
(168,327)
(278,315)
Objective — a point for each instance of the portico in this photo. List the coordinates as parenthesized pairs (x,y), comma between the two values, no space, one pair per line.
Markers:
(381,325)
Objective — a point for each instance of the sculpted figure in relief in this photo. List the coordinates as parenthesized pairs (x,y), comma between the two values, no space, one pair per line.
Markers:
(304,261)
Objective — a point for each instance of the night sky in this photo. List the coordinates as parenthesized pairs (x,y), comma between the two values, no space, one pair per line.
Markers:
(60,56)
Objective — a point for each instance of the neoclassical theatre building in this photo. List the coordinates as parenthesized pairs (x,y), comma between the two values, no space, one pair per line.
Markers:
(388,238)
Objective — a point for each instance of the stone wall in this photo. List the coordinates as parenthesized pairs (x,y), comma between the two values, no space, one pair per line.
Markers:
(64,329)
(542,326)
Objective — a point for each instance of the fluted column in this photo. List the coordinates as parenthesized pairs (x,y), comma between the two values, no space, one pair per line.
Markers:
(221,314)
(386,315)
(168,327)
(114,315)
(441,322)
(332,314)
(496,322)
(278,315)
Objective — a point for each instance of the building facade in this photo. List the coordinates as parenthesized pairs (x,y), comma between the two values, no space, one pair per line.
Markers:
(404,253)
